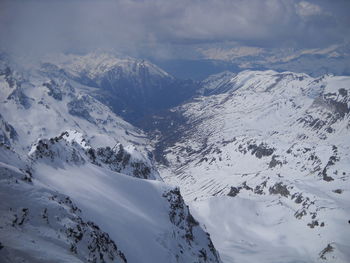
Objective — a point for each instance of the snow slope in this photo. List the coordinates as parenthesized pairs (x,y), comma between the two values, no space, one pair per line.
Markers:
(134,212)
(80,212)
(278,145)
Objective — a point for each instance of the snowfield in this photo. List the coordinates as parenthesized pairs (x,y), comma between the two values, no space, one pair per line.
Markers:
(132,211)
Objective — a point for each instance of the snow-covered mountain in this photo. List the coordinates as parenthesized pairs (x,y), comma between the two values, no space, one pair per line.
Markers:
(217,83)
(263,159)
(42,105)
(132,87)
(78,183)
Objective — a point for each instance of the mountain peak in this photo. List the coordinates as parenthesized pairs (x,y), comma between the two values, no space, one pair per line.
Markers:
(95,64)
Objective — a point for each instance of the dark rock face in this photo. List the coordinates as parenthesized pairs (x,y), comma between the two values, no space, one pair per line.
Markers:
(300,213)
(78,107)
(328,249)
(119,160)
(331,162)
(274,161)
(20,217)
(259,189)
(14,81)
(10,76)
(313,224)
(337,191)
(110,157)
(333,107)
(57,149)
(338,103)
(181,217)
(7,133)
(54,90)
(260,150)
(234,191)
(326,177)
(179,214)
(298,198)
(279,188)
(52,71)
(100,246)
(20,98)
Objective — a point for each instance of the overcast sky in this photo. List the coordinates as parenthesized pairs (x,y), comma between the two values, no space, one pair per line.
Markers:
(166,27)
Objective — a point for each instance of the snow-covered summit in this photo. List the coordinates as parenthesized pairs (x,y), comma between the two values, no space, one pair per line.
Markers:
(217,83)
(97,64)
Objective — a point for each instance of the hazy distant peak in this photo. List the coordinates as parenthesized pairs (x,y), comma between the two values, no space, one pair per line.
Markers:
(97,63)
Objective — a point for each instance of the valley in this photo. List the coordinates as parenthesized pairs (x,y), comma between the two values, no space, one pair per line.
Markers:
(260,157)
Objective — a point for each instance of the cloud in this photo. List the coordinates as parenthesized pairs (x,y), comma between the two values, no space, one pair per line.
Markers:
(165,27)
(304,8)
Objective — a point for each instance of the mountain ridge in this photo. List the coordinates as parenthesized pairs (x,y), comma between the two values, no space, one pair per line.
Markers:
(275,139)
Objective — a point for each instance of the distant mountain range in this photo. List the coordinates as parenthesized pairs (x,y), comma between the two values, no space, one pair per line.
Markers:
(315,62)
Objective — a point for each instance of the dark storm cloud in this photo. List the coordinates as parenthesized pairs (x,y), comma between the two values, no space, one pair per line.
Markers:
(158,26)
